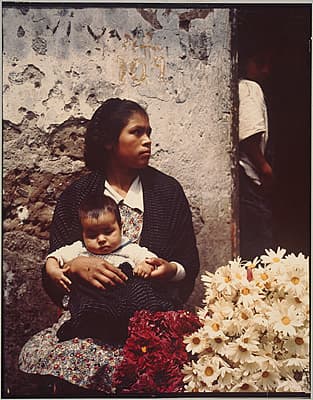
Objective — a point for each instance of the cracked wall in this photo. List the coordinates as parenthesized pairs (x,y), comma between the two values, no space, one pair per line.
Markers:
(59,64)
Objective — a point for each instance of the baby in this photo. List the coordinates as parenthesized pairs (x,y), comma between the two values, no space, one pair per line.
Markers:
(94,312)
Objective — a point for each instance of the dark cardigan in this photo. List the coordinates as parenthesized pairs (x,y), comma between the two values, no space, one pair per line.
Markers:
(167,225)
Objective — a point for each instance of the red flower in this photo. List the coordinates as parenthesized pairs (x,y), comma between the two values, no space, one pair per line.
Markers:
(154,352)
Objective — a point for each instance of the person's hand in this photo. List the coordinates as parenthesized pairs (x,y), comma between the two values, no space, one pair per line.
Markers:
(267,178)
(162,269)
(143,269)
(57,274)
(97,272)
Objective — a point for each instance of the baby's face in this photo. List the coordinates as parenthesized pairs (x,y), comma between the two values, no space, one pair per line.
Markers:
(101,235)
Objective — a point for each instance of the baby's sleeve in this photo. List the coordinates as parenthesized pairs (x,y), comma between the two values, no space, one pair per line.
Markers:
(67,253)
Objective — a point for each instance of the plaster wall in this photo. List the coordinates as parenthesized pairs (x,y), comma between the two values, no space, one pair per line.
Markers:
(59,64)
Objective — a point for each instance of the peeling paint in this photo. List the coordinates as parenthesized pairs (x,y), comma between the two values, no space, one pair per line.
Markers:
(150,16)
(186,17)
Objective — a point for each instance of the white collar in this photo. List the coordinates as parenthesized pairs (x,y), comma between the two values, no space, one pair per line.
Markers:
(133,198)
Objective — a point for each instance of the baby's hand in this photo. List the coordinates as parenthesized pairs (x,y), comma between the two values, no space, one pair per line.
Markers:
(143,269)
(57,274)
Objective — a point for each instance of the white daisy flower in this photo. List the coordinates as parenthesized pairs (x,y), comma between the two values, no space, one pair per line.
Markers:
(190,378)
(298,345)
(239,354)
(242,318)
(299,262)
(267,379)
(219,343)
(227,376)
(267,359)
(203,313)
(288,385)
(197,342)
(213,326)
(265,278)
(225,282)
(245,385)
(249,293)
(209,369)
(284,318)
(222,309)
(296,283)
(249,340)
(252,264)
(296,363)
(238,274)
(272,257)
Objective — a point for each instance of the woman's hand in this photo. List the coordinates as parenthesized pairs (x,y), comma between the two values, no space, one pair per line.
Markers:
(97,272)
(163,269)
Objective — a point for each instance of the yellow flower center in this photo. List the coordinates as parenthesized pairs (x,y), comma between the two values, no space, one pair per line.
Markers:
(245,291)
(238,276)
(196,340)
(215,327)
(265,374)
(285,320)
(244,316)
(144,349)
(268,285)
(299,341)
(242,349)
(264,276)
(276,259)
(295,280)
(297,300)
(227,279)
(209,371)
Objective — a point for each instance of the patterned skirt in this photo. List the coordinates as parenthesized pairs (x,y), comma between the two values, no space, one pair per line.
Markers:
(88,363)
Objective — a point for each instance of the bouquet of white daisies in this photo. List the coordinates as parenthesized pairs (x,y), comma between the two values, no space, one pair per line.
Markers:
(255,328)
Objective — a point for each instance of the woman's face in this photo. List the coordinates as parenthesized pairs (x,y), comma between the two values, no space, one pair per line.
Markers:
(133,149)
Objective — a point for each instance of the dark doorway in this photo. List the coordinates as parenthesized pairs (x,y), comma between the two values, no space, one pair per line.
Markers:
(286,29)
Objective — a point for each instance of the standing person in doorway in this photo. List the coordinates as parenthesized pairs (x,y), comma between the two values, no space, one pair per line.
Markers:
(255,171)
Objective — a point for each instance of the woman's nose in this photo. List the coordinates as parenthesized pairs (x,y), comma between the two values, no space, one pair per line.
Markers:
(146,140)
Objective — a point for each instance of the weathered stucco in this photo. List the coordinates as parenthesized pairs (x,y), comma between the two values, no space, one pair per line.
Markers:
(59,64)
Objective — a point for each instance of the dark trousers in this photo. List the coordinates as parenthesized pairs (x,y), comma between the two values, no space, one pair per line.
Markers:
(255,219)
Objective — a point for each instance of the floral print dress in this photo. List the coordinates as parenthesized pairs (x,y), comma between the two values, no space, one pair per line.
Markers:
(88,363)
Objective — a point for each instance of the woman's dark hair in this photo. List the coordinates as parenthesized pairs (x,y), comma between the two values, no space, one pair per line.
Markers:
(93,206)
(105,127)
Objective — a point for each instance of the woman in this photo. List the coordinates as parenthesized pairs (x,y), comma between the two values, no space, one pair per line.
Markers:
(155,214)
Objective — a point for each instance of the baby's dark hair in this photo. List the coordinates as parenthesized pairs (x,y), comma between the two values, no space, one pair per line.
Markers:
(93,206)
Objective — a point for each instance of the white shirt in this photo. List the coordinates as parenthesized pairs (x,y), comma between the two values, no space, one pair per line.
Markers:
(126,252)
(134,199)
(252,120)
